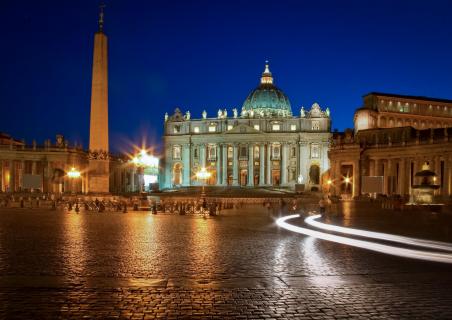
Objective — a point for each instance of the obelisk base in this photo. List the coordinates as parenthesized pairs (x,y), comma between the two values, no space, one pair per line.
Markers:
(99,176)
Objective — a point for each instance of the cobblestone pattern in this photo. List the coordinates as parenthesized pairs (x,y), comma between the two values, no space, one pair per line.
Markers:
(239,265)
(384,301)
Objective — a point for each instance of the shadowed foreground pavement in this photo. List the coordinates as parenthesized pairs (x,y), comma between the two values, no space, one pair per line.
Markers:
(239,265)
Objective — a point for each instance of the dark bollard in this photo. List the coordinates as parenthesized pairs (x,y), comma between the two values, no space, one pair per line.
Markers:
(21,203)
(135,207)
(124,208)
(54,205)
(77,209)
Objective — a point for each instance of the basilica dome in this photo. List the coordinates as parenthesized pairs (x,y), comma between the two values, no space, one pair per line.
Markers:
(267,100)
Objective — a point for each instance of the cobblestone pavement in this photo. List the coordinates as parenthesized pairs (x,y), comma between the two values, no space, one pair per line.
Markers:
(239,265)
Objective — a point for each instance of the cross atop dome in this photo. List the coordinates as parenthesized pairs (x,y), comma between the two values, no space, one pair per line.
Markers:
(267,77)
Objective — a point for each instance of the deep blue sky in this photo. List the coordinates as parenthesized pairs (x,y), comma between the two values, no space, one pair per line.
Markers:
(210,54)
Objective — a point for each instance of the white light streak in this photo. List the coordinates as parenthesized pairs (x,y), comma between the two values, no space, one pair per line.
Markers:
(378,235)
(382,248)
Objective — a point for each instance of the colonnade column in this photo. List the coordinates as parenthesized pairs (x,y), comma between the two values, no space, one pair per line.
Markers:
(284,164)
(12,175)
(268,166)
(251,165)
(132,179)
(337,179)
(377,164)
(2,176)
(235,166)
(448,175)
(224,155)
(356,179)
(437,170)
(402,173)
(21,174)
(261,164)
(186,164)
(218,161)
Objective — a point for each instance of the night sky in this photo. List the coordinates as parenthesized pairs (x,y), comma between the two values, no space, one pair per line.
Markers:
(210,54)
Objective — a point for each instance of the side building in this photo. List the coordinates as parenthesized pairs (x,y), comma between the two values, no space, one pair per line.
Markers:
(394,136)
(262,145)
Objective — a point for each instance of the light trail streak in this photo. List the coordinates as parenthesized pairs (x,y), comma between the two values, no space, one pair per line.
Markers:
(378,235)
(377,247)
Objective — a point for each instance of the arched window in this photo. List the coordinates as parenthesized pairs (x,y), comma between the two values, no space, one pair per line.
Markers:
(314,174)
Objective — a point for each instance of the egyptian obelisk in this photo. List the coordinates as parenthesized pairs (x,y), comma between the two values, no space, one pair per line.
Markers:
(99,163)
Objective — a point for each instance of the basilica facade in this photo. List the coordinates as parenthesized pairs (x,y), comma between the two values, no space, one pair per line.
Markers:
(263,144)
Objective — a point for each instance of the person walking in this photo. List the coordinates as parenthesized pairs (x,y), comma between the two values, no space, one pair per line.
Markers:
(322,205)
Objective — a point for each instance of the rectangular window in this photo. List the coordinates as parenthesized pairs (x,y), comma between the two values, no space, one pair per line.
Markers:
(276,150)
(315,151)
(256,126)
(293,127)
(196,129)
(293,152)
(230,152)
(176,129)
(256,152)
(230,126)
(276,127)
(176,152)
(243,153)
(212,152)
(315,125)
(212,128)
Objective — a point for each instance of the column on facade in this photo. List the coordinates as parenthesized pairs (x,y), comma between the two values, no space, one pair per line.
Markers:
(284,148)
(218,163)
(261,164)
(325,161)
(304,153)
(202,155)
(224,156)
(235,165)
(250,165)
(269,164)
(186,164)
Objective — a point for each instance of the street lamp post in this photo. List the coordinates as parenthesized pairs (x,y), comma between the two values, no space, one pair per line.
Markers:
(142,161)
(203,175)
(73,175)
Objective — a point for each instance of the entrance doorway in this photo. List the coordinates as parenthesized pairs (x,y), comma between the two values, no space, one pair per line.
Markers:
(276,174)
(177,174)
(243,177)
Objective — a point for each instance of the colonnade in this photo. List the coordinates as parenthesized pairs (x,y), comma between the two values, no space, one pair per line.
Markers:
(12,173)
(397,172)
